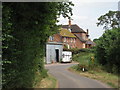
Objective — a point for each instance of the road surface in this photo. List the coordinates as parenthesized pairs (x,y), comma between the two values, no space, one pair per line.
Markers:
(67,79)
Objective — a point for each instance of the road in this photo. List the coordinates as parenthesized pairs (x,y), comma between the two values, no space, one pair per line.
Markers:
(67,79)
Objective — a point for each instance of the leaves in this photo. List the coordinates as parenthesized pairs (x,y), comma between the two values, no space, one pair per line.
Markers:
(26,28)
(109,20)
(107,50)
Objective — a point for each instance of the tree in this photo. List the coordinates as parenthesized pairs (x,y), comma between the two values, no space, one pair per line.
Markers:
(110,20)
(107,50)
(26,28)
(107,46)
(95,40)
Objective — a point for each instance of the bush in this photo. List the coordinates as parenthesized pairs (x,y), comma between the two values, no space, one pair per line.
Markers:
(108,50)
(77,51)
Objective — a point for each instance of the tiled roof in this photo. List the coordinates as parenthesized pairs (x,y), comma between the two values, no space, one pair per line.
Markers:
(90,42)
(74,28)
(66,33)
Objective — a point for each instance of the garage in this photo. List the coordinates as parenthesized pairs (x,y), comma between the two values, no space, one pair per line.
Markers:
(53,52)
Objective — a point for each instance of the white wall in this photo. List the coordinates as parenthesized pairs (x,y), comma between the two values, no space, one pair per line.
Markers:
(51,54)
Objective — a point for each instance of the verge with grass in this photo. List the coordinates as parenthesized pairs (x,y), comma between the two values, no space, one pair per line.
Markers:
(93,70)
(48,82)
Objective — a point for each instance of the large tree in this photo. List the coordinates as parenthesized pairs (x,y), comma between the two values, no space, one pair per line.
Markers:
(26,28)
(109,20)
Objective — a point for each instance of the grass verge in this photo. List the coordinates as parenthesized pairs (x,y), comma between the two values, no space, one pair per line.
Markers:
(108,78)
(48,82)
(93,70)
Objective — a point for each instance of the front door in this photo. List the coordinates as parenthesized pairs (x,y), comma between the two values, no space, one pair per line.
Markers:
(57,55)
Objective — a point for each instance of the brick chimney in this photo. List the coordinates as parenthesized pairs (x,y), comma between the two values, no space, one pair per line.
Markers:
(69,22)
(69,25)
(87,31)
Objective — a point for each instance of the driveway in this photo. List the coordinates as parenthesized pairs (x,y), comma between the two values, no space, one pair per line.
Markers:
(67,79)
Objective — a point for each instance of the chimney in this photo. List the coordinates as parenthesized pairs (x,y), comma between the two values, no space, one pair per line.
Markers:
(69,22)
(69,26)
(87,31)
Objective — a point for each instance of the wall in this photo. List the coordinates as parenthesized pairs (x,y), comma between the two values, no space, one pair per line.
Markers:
(83,35)
(79,44)
(51,54)
(69,41)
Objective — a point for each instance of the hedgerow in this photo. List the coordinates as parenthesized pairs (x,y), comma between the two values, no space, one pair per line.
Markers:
(26,28)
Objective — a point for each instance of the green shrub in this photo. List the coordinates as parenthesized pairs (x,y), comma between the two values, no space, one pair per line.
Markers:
(44,73)
(108,50)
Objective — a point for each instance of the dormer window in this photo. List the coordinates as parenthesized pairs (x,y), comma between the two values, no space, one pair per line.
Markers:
(69,29)
(51,38)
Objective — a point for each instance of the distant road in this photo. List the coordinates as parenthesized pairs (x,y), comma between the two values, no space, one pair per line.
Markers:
(68,79)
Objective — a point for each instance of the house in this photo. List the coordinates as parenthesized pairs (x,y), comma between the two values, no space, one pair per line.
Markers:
(69,36)
(72,36)
(82,37)
(66,37)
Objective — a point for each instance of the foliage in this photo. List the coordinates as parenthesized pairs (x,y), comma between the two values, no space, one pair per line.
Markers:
(77,51)
(110,20)
(84,59)
(95,40)
(100,75)
(108,50)
(26,28)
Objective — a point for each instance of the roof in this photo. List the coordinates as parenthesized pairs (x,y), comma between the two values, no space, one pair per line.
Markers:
(54,43)
(90,42)
(74,28)
(66,33)
(80,38)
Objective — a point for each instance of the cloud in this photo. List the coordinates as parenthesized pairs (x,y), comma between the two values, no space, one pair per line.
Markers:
(76,17)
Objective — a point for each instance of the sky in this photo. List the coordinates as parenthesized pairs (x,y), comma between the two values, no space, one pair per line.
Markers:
(86,13)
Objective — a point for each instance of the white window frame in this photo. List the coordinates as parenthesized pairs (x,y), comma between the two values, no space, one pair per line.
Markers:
(83,45)
(51,38)
(74,40)
(64,39)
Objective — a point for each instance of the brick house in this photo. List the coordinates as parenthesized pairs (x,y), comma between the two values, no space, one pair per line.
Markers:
(81,35)
(72,36)
(66,37)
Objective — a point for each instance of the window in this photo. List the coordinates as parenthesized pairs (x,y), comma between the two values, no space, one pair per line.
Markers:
(74,40)
(71,40)
(64,39)
(63,55)
(67,39)
(51,38)
(83,45)
(68,46)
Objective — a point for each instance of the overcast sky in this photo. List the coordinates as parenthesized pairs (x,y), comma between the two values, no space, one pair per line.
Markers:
(85,14)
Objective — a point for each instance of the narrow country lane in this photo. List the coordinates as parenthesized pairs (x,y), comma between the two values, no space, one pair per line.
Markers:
(68,79)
